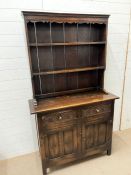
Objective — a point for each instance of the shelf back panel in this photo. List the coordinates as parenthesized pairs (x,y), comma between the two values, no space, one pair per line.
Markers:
(52,84)
(66,57)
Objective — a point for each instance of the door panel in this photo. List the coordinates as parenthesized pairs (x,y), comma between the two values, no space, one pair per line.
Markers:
(102,133)
(89,134)
(96,133)
(53,142)
(62,142)
(68,142)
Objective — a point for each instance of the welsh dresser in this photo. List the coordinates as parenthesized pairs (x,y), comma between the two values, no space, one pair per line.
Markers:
(67,56)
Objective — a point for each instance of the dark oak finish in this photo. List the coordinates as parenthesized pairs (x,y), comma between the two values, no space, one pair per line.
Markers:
(70,101)
(67,62)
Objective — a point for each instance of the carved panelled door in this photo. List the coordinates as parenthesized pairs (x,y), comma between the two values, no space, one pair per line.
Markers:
(62,142)
(60,135)
(96,131)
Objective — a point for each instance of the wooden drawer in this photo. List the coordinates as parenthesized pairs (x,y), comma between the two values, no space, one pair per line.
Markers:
(60,116)
(58,120)
(96,109)
(97,118)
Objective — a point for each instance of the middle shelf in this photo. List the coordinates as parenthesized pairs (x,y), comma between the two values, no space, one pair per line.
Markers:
(69,70)
(67,43)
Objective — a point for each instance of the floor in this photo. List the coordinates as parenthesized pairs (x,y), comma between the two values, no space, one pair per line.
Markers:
(119,163)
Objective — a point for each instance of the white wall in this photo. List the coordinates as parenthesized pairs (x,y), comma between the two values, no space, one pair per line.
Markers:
(126,108)
(17,127)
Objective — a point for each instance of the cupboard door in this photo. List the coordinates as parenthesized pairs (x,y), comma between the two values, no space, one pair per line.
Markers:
(96,133)
(62,142)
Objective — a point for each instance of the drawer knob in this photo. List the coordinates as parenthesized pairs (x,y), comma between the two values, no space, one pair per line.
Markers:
(60,117)
(97,110)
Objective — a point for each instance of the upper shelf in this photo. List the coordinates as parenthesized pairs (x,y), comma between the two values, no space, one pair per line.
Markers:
(66,44)
(69,70)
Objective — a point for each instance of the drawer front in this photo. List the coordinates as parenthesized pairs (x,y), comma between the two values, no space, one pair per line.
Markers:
(97,118)
(96,109)
(60,116)
(58,120)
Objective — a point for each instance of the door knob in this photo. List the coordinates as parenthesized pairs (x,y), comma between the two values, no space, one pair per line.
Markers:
(97,110)
(60,117)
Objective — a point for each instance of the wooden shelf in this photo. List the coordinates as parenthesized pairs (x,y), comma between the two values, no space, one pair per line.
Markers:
(67,44)
(69,70)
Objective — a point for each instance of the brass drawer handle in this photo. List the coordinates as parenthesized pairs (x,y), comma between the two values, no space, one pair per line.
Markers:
(97,110)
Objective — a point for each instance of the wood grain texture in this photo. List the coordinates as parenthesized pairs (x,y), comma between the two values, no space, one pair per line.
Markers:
(75,100)
(61,17)
(68,142)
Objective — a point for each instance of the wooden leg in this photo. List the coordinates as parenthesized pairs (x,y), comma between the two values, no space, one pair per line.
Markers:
(44,171)
(44,168)
(109,151)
